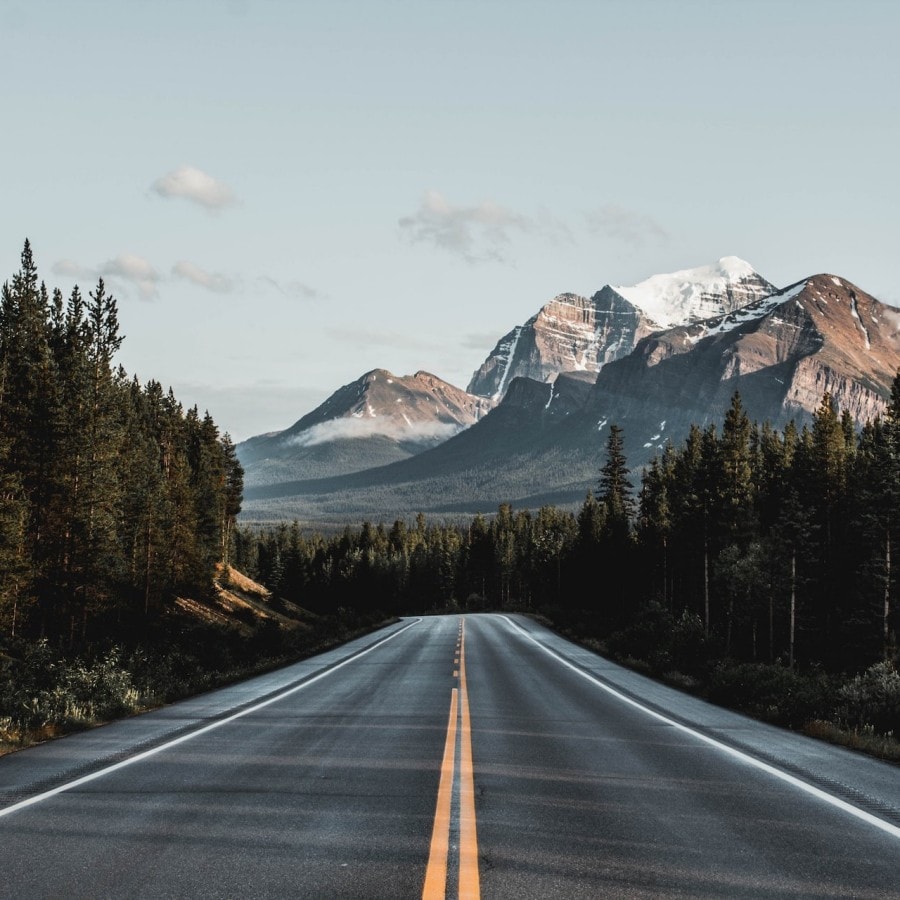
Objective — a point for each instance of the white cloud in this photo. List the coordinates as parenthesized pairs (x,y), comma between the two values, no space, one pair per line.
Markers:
(195,185)
(353,429)
(134,270)
(126,270)
(625,225)
(476,233)
(212,281)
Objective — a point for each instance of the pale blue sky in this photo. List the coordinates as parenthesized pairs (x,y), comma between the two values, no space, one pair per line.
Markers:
(284,195)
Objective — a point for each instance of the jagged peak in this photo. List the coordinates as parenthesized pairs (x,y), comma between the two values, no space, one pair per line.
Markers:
(375,374)
(676,297)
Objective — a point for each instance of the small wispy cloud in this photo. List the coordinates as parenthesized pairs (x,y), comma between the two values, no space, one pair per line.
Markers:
(126,270)
(297,290)
(134,270)
(474,233)
(212,281)
(625,225)
(195,185)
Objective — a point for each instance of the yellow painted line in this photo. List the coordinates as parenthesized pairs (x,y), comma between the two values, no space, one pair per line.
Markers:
(459,730)
(436,873)
(469,883)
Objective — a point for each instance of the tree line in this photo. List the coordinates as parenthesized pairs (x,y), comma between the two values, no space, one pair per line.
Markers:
(744,542)
(113,498)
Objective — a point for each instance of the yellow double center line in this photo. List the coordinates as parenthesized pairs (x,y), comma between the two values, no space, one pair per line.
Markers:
(459,737)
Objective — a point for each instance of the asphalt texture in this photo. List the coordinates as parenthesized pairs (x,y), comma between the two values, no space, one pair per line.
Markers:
(321,780)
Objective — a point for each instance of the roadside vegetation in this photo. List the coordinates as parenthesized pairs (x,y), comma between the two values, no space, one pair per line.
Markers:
(237,631)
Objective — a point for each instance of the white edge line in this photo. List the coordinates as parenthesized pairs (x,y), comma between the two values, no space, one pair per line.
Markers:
(746,758)
(68,786)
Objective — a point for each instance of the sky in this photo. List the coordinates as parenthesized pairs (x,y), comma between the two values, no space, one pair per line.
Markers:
(285,194)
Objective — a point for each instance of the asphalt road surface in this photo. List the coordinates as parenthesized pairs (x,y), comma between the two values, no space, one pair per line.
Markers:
(449,756)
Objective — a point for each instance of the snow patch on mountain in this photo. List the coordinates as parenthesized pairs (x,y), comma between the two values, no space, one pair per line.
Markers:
(357,429)
(746,314)
(689,294)
(510,350)
(854,311)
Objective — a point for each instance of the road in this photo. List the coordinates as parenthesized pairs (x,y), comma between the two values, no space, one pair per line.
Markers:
(454,755)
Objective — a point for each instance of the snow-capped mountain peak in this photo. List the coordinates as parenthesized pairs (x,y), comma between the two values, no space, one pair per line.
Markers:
(700,293)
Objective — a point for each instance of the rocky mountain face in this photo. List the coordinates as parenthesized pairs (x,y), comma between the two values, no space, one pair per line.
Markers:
(544,443)
(375,420)
(782,353)
(578,336)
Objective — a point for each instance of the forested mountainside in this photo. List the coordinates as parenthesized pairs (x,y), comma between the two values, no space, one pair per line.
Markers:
(113,498)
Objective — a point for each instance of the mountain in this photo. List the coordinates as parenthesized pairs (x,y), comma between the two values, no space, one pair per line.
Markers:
(544,443)
(375,420)
(579,336)
(782,353)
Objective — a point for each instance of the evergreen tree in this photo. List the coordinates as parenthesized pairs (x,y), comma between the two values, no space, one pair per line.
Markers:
(736,483)
(615,491)
(655,524)
(615,557)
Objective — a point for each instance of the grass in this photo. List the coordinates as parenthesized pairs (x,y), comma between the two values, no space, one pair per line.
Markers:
(885,747)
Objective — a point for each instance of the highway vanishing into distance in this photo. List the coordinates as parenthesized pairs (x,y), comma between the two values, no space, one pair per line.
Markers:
(457,756)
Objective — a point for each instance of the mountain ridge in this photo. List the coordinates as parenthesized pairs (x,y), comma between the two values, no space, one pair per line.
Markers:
(545,438)
(577,335)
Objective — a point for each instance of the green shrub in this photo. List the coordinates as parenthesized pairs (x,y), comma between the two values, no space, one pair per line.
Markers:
(771,692)
(871,700)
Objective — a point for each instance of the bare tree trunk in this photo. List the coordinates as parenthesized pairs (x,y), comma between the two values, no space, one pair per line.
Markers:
(147,568)
(887,593)
(705,586)
(666,574)
(729,626)
(793,606)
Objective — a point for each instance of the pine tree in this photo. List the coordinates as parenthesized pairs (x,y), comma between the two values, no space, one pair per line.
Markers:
(616,545)
(655,522)
(828,482)
(615,491)
(735,499)
(233,491)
